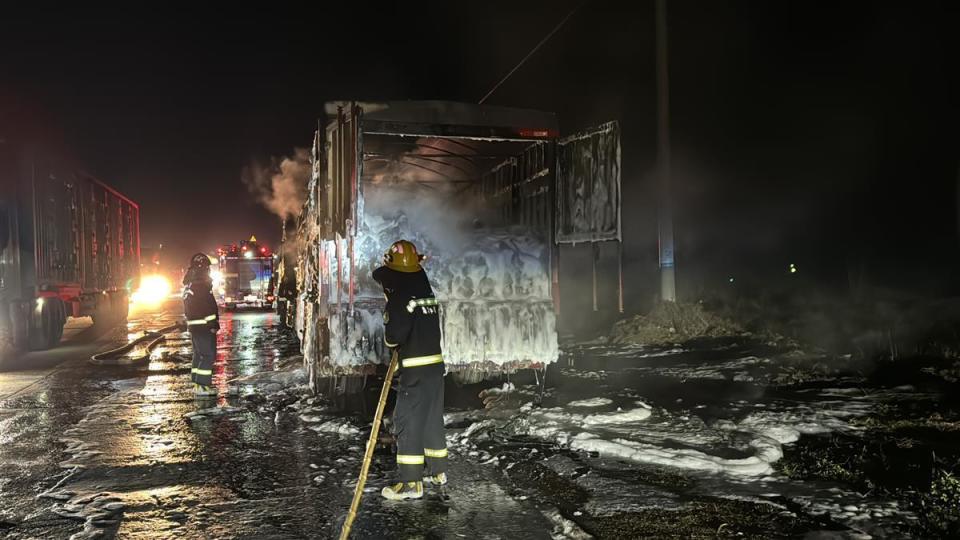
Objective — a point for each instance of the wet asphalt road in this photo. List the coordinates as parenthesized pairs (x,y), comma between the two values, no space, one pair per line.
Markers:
(90,452)
(98,452)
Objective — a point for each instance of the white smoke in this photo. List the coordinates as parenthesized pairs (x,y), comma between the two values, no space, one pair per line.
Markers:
(433,214)
(281,186)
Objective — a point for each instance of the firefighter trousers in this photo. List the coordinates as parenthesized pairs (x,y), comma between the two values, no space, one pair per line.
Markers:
(204,353)
(418,423)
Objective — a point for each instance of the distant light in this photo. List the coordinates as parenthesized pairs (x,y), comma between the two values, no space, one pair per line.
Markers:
(731,279)
(793,268)
(153,291)
(39,302)
(247,254)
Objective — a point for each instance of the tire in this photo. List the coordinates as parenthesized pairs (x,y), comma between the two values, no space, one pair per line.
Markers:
(111,310)
(103,313)
(60,322)
(8,345)
(46,324)
(119,307)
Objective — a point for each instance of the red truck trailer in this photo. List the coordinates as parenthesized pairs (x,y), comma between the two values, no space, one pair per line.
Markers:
(69,245)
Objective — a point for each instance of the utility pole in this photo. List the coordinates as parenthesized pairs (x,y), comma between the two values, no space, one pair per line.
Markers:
(668,283)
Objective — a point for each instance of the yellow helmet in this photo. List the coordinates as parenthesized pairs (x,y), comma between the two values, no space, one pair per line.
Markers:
(403,257)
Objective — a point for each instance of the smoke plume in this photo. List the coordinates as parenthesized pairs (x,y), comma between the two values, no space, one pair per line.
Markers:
(280,186)
(439,215)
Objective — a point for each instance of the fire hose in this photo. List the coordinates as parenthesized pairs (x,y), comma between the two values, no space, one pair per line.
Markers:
(371,444)
(121,357)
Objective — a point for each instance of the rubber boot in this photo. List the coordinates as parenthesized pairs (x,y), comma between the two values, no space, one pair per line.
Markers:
(436,480)
(403,490)
(204,391)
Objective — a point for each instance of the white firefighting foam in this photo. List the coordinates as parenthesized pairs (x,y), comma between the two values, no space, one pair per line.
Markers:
(657,437)
(493,286)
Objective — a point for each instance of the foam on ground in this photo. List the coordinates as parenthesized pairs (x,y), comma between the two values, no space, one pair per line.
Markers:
(749,447)
(592,402)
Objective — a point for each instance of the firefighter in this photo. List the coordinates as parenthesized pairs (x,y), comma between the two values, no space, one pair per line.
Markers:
(203,321)
(412,330)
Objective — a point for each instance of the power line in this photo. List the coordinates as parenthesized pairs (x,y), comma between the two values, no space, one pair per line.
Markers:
(531,53)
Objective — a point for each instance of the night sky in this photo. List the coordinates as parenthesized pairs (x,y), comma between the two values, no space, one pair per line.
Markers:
(802,132)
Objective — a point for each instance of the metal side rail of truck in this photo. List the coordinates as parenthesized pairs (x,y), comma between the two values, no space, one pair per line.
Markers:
(489,193)
(69,247)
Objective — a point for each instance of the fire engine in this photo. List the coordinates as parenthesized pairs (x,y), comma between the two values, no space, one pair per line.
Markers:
(244,275)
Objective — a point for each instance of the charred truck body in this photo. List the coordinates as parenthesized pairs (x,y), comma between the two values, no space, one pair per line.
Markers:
(488,193)
(69,246)
(285,282)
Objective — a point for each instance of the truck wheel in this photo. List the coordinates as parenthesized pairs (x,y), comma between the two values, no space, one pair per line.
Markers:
(20,325)
(61,320)
(103,313)
(7,340)
(46,324)
(120,308)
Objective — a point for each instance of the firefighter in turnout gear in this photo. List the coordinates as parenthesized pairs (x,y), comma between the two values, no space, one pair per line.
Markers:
(203,321)
(412,329)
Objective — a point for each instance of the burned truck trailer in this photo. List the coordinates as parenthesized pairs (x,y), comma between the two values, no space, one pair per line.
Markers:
(488,193)
(69,246)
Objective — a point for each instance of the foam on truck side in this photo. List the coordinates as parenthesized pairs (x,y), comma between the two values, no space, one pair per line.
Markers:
(493,286)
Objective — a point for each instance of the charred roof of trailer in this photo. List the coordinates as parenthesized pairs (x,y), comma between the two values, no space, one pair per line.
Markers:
(510,153)
(440,141)
(450,120)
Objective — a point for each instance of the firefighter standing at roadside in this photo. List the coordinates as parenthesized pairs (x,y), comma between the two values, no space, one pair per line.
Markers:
(203,321)
(412,330)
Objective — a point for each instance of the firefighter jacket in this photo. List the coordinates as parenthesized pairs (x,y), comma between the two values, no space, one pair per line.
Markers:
(411,320)
(199,306)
